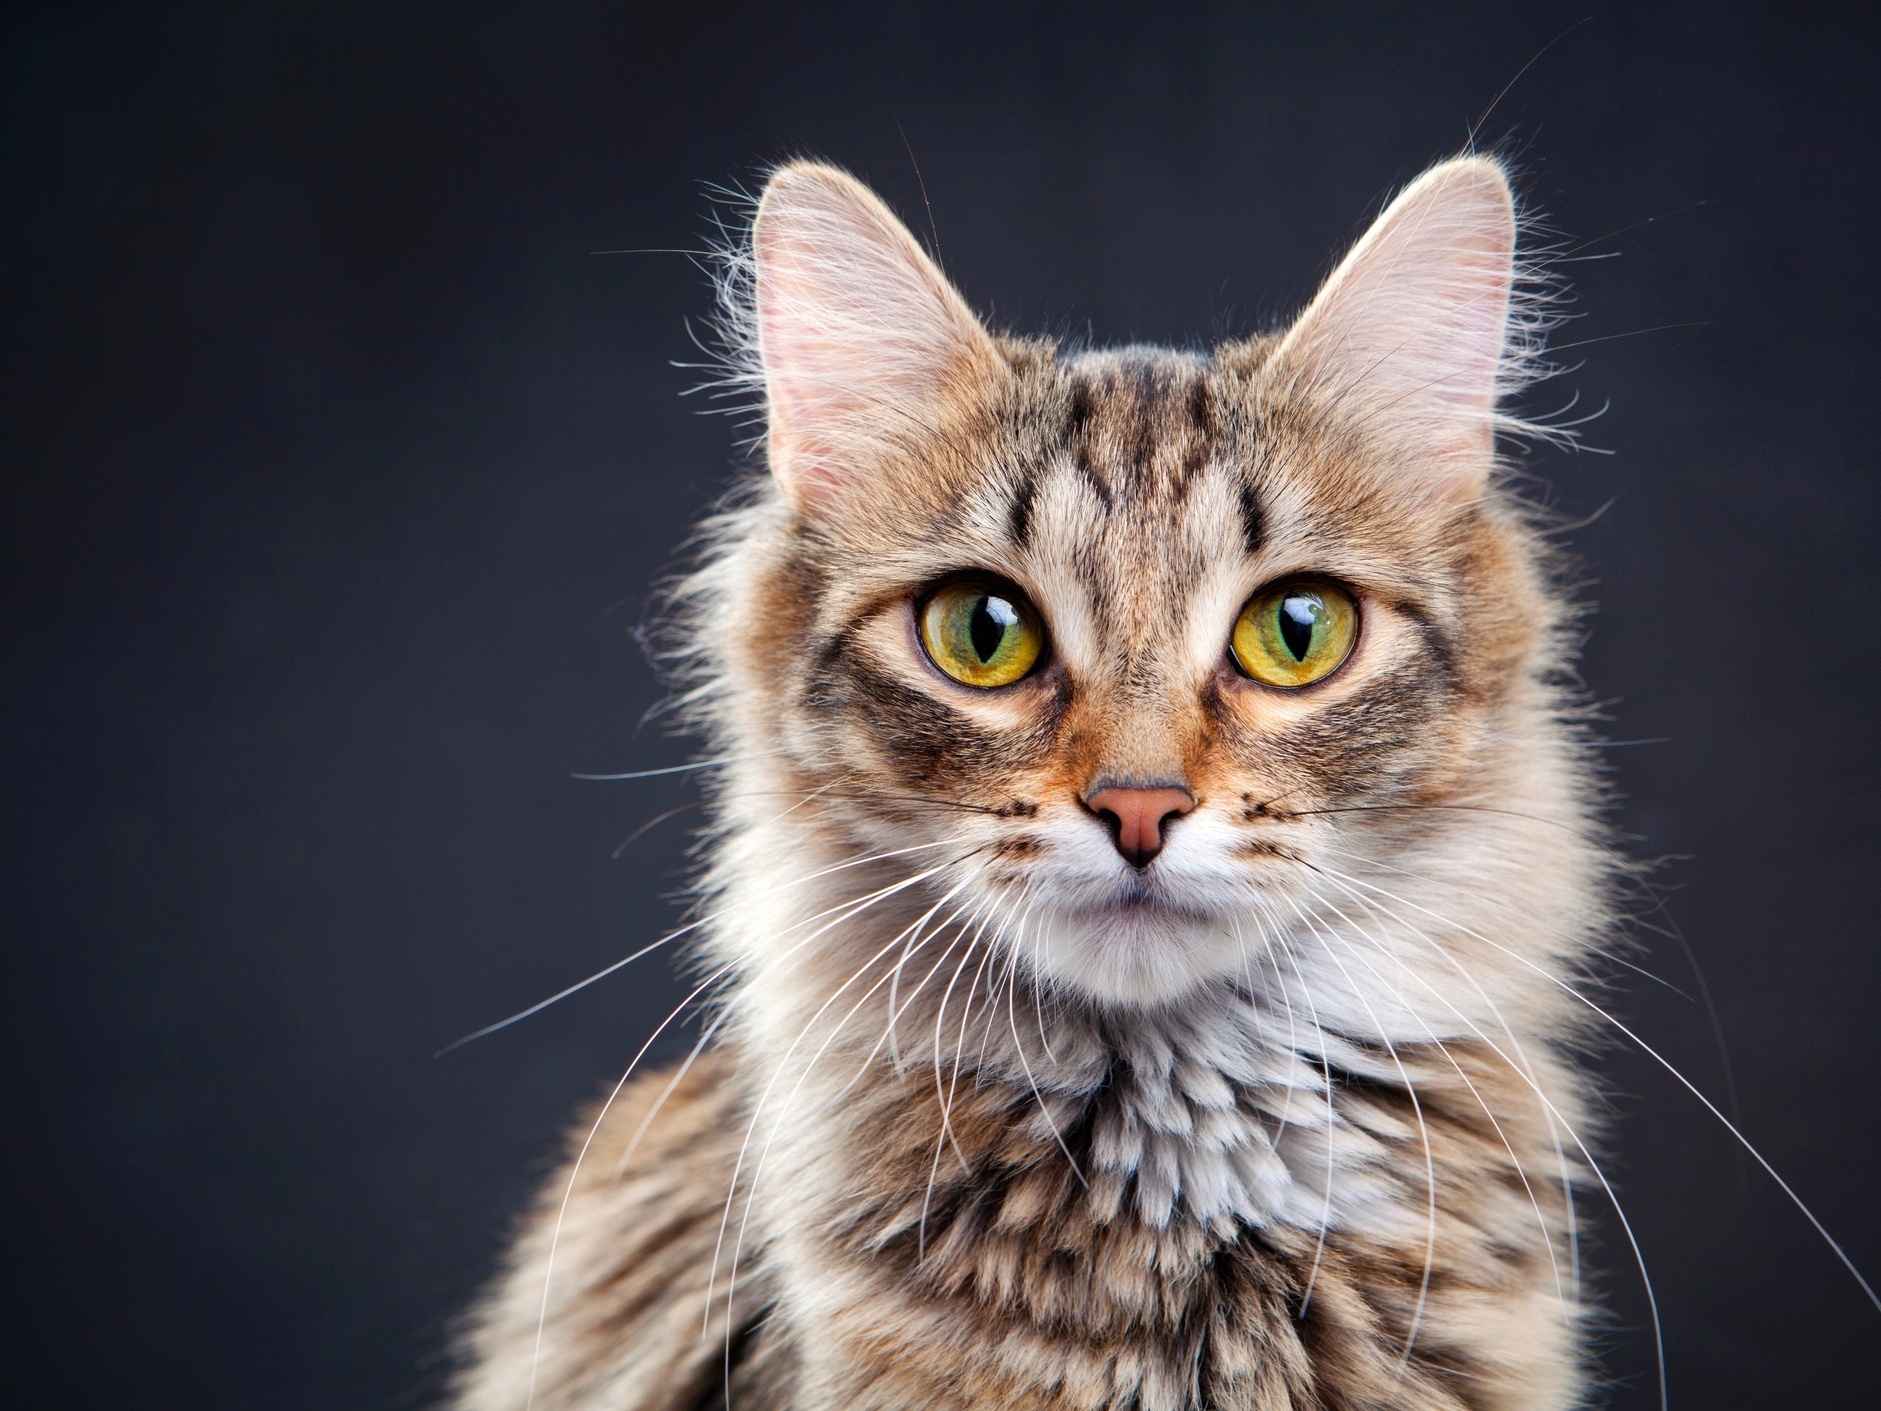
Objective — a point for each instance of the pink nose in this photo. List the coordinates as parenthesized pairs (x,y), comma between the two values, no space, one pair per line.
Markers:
(1137,817)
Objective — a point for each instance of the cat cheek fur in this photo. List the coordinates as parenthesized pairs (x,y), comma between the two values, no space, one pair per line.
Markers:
(1284,1119)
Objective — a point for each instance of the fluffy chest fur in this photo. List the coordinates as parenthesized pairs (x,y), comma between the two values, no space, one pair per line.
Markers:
(1224,1203)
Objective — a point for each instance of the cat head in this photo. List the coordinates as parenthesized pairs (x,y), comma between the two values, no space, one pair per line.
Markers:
(1141,650)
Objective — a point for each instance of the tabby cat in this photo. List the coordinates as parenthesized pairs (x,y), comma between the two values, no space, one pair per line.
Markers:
(1154,851)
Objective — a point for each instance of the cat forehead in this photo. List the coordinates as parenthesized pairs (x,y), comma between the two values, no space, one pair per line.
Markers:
(1131,475)
(1138,422)
(1122,453)
(1160,456)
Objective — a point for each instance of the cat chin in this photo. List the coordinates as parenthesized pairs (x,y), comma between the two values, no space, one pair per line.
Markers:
(1133,956)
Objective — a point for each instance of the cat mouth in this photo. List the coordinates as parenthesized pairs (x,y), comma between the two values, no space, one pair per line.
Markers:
(1144,896)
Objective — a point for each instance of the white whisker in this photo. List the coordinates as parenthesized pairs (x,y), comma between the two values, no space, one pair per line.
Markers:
(1671,1068)
(673,935)
(1619,1211)
(1430,1162)
(758,1108)
(1358,954)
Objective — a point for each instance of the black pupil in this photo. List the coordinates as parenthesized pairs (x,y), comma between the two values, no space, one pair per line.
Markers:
(987,626)
(1297,616)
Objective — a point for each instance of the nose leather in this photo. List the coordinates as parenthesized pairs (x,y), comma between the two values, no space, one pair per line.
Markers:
(1139,816)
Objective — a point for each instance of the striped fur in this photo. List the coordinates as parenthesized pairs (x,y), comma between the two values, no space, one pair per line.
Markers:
(1286,1119)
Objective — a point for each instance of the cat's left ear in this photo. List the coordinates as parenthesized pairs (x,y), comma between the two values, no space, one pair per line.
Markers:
(866,348)
(1410,332)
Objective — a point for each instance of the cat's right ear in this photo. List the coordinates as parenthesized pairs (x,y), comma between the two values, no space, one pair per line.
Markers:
(863,343)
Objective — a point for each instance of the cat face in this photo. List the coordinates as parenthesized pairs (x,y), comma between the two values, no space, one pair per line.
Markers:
(1142,647)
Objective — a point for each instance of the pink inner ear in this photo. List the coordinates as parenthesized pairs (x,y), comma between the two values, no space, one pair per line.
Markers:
(860,335)
(792,355)
(1408,334)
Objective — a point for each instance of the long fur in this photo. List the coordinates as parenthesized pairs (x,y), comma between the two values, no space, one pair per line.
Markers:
(1287,1118)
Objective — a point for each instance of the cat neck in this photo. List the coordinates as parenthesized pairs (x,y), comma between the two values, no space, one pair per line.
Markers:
(916,1061)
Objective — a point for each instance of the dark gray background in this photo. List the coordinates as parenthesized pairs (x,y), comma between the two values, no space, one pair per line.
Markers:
(337,470)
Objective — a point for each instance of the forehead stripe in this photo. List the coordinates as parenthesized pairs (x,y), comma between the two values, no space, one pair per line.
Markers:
(1019,518)
(1253,518)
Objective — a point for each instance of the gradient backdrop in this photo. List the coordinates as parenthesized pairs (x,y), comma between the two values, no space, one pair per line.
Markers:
(338,467)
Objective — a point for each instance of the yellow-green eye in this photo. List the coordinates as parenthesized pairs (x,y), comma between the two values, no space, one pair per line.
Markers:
(1292,634)
(980,633)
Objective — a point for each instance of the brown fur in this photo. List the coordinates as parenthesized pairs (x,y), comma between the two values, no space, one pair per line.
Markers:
(1010,1276)
(944,1160)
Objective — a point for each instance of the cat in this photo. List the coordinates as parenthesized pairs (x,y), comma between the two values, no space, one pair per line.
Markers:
(1156,850)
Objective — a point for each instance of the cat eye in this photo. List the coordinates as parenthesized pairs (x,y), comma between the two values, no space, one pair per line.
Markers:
(981,632)
(1295,633)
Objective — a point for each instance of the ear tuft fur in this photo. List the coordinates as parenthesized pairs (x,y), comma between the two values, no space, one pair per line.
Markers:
(848,329)
(1428,325)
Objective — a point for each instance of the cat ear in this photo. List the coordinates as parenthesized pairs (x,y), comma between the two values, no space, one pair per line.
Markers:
(1410,332)
(861,339)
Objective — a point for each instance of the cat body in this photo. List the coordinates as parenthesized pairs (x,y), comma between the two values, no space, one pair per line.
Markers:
(1108,1015)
